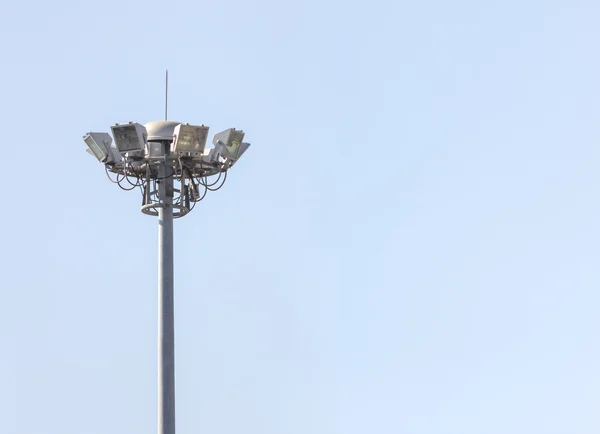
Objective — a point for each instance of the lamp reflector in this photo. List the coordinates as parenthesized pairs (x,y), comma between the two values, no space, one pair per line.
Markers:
(243,149)
(99,145)
(190,138)
(231,140)
(129,137)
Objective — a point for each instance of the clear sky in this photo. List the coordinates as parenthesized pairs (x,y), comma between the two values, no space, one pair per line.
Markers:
(411,244)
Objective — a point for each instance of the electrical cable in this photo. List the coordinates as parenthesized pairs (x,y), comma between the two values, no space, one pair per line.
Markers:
(214,183)
(110,179)
(203,195)
(137,182)
(127,189)
(222,183)
(173,173)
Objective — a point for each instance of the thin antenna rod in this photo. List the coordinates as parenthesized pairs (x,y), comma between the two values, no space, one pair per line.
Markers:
(166,92)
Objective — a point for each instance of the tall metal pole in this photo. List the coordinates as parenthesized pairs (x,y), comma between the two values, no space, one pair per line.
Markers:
(166,93)
(166,319)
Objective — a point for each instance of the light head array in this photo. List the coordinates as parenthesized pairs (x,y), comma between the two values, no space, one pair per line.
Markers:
(138,151)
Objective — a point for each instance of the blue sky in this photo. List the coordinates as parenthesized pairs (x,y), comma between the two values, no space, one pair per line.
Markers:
(409,246)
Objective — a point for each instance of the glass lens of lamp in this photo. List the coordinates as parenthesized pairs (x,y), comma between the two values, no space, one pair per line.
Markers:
(232,147)
(202,133)
(126,138)
(187,141)
(98,152)
(232,139)
(190,138)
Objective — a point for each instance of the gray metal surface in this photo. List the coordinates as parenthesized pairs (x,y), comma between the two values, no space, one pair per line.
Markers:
(161,130)
(166,326)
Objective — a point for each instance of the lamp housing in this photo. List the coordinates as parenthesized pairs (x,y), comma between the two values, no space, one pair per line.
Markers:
(129,138)
(231,142)
(189,140)
(99,145)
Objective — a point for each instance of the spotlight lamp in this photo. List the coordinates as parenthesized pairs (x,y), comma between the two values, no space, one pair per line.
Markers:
(230,142)
(99,145)
(130,137)
(189,140)
(146,155)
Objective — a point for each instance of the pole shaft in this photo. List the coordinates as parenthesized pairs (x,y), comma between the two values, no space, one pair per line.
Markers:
(166,92)
(166,318)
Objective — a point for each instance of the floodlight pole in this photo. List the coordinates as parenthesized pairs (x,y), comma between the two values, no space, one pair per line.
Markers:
(178,152)
(166,318)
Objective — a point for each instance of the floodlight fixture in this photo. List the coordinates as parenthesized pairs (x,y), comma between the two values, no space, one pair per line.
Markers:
(189,140)
(129,137)
(231,141)
(99,145)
